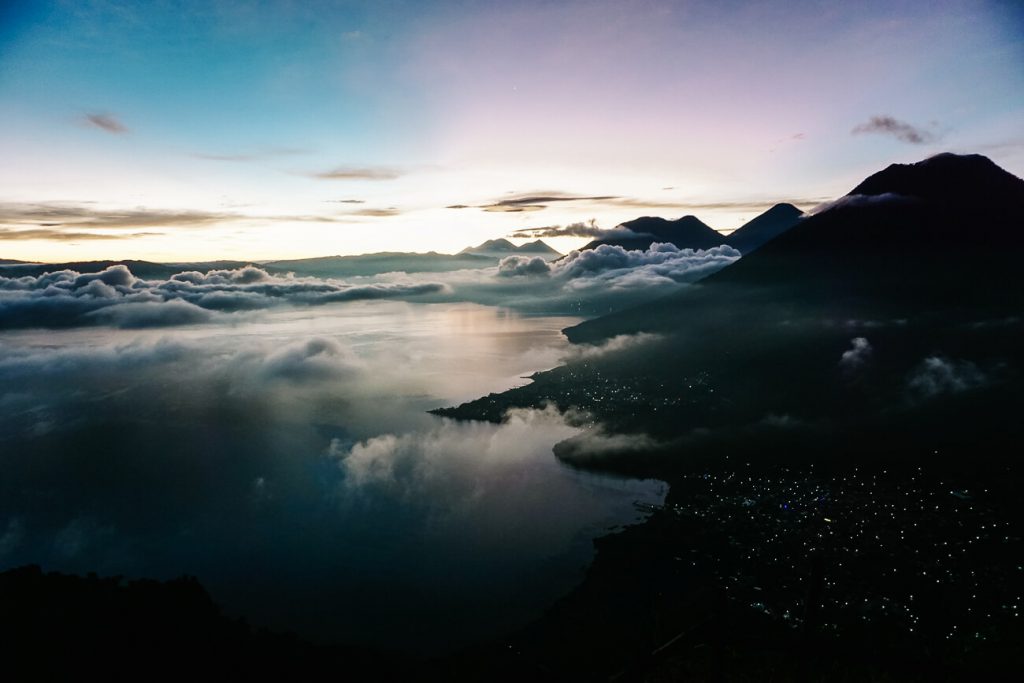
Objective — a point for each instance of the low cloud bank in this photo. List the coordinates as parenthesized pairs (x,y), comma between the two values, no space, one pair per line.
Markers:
(936,375)
(116,297)
(593,281)
(620,267)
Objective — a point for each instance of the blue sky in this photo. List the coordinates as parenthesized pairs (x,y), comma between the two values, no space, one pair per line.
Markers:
(186,130)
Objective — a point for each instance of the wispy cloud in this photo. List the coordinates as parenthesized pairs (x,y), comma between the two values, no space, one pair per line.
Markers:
(538,201)
(345,201)
(589,229)
(749,205)
(258,155)
(901,130)
(376,213)
(105,122)
(54,215)
(359,173)
(66,236)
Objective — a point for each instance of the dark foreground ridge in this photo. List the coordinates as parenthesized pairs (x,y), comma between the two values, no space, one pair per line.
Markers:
(59,627)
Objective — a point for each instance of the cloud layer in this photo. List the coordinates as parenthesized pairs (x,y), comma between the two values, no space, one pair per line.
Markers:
(116,297)
(617,266)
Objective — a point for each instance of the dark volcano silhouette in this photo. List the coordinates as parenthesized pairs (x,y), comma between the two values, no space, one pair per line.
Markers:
(764,228)
(501,247)
(688,232)
(944,233)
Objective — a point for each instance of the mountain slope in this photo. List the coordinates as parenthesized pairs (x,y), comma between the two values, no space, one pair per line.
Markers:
(688,232)
(885,326)
(764,228)
(499,248)
(902,240)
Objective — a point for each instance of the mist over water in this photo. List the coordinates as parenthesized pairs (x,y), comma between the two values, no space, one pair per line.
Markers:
(287,460)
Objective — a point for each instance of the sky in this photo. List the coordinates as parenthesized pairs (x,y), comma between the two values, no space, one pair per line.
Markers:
(182,131)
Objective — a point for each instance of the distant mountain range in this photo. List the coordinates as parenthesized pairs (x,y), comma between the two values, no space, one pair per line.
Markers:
(482,256)
(689,232)
(143,269)
(501,248)
(383,262)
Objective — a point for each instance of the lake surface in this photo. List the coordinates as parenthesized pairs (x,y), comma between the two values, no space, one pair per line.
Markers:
(288,461)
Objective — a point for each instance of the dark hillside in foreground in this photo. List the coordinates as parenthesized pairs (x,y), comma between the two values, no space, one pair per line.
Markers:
(64,627)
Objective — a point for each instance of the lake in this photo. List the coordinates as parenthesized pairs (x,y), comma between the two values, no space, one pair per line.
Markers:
(287,460)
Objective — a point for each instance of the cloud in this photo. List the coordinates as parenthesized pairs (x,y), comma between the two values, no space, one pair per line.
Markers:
(617,344)
(260,155)
(517,266)
(66,236)
(116,297)
(389,211)
(346,201)
(859,200)
(589,229)
(595,445)
(315,360)
(141,315)
(53,215)
(308,461)
(467,456)
(752,205)
(541,200)
(535,202)
(621,267)
(359,173)
(596,280)
(857,356)
(936,375)
(901,130)
(105,122)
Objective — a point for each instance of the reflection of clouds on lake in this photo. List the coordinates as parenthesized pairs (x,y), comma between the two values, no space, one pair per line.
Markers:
(216,452)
